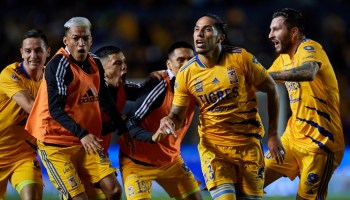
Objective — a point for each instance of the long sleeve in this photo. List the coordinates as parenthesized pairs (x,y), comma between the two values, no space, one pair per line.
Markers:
(108,105)
(58,75)
(151,98)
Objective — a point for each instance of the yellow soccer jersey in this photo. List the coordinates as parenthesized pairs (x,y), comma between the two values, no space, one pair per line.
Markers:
(315,122)
(13,145)
(225,95)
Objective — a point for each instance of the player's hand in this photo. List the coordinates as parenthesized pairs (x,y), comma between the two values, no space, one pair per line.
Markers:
(166,127)
(160,75)
(159,135)
(276,148)
(91,143)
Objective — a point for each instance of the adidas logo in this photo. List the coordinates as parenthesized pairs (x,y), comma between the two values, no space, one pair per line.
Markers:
(215,81)
(89,96)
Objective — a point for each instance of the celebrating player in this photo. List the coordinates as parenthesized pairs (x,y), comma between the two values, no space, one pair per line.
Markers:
(147,156)
(313,139)
(19,84)
(66,117)
(222,81)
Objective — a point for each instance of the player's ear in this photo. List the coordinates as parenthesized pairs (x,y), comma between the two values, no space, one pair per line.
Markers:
(65,40)
(168,64)
(294,31)
(221,38)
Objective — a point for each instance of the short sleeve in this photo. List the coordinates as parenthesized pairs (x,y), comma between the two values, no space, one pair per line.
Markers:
(11,82)
(255,72)
(181,92)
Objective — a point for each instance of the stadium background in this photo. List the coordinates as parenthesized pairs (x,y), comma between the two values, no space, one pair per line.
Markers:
(144,29)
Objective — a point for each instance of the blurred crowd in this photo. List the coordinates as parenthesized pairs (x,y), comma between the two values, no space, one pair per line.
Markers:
(144,29)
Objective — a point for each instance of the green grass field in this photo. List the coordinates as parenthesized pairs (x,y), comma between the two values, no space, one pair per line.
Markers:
(163,196)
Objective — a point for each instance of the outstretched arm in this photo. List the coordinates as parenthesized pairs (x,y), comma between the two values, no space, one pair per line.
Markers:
(172,122)
(306,72)
(24,99)
(149,100)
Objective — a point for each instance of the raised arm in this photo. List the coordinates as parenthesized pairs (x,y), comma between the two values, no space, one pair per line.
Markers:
(306,72)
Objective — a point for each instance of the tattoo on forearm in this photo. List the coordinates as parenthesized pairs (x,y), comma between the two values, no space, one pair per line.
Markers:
(306,72)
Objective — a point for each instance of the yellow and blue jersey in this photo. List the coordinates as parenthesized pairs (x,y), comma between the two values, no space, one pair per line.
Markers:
(13,138)
(225,95)
(315,123)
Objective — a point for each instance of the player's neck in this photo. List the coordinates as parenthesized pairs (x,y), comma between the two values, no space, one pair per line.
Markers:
(210,59)
(35,74)
(296,45)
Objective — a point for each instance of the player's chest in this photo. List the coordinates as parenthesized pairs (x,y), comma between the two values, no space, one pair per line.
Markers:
(218,79)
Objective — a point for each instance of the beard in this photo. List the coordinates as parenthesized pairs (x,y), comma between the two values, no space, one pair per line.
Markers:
(285,46)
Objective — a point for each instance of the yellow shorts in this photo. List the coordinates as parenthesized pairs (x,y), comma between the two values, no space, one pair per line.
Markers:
(20,174)
(175,178)
(65,166)
(242,166)
(314,169)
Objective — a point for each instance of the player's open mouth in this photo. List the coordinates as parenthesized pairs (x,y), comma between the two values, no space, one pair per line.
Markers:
(123,76)
(199,43)
(276,43)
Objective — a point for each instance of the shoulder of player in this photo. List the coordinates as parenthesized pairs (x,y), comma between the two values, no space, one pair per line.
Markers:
(309,45)
(233,50)
(188,65)
(131,84)
(57,63)
(14,70)
(11,68)
(96,58)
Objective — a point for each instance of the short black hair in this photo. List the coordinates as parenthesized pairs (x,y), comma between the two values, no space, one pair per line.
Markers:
(105,51)
(292,18)
(35,33)
(220,25)
(177,45)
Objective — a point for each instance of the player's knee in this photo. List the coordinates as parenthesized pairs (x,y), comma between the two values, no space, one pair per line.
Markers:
(115,193)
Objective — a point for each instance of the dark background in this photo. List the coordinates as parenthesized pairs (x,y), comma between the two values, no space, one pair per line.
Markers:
(145,29)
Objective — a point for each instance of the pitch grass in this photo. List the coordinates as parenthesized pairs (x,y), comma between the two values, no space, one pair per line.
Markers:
(163,196)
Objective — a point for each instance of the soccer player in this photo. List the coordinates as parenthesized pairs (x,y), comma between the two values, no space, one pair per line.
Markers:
(66,117)
(145,157)
(313,139)
(19,84)
(223,82)
(114,65)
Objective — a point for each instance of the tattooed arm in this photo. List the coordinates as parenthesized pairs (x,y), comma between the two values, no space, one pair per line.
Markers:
(306,72)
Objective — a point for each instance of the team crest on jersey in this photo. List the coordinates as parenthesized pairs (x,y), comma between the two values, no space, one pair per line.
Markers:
(198,85)
(232,75)
(72,182)
(90,96)
(15,77)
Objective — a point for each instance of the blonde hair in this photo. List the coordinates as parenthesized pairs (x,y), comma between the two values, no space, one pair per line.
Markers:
(77,21)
